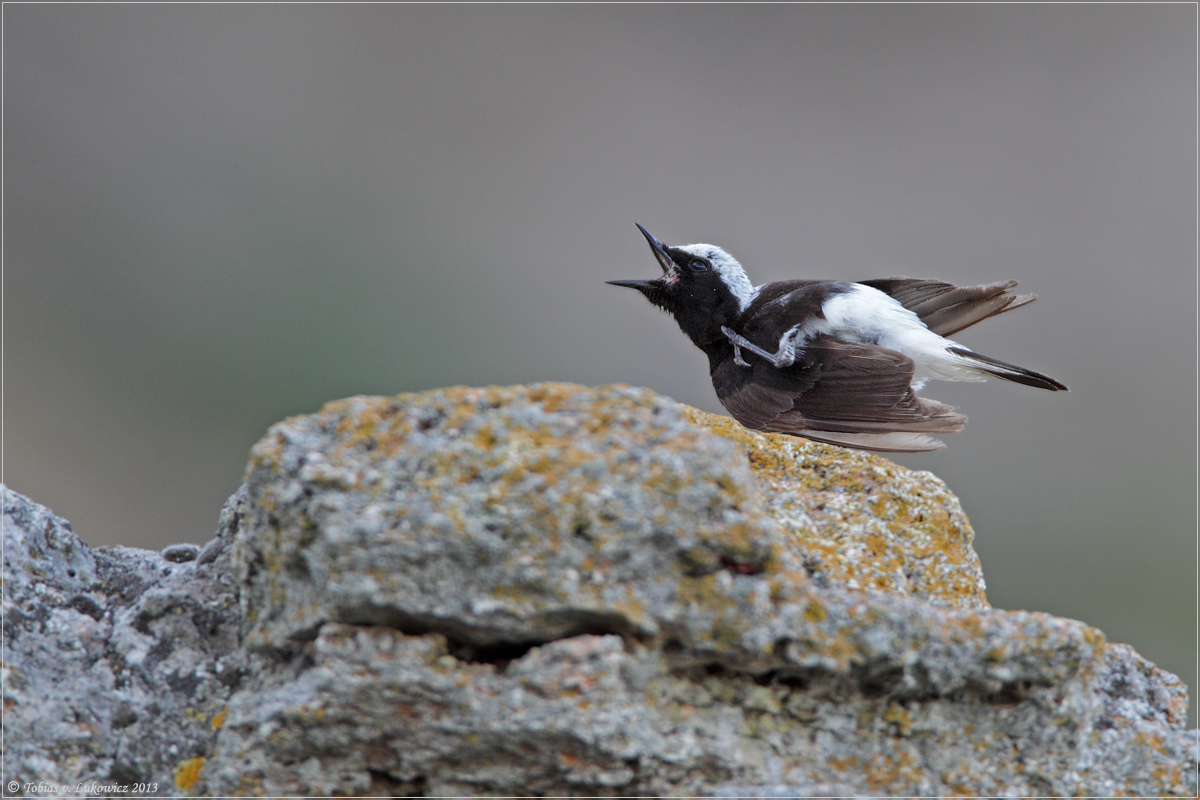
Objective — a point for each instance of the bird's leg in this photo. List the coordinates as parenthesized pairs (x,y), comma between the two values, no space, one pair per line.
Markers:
(737,356)
(784,358)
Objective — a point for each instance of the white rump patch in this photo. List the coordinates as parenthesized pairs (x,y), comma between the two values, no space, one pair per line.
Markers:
(728,268)
(866,315)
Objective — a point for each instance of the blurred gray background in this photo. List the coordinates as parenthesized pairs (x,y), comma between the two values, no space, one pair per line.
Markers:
(217,216)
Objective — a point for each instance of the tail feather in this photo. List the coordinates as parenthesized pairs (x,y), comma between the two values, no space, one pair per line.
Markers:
(952,319)
(945,308)
(1009,372)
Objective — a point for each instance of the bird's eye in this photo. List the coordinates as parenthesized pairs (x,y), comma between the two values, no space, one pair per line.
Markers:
(698,264)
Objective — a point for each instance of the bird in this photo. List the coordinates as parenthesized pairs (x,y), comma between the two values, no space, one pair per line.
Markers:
(838,362)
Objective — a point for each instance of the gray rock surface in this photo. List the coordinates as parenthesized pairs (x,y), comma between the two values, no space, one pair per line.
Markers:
(559,590)
(117,661)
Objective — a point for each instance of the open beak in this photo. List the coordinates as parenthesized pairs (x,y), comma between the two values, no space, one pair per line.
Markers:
(660,252)
(641,286)
(664,261)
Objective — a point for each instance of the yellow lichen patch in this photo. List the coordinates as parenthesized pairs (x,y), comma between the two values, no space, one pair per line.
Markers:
(192,715)
(893,773)
(1152,740)
(187,773)
(840,650)
(814,611)
(267,451)
(705,592)
(860,519)
(900,717)
(843,764)
(219,719)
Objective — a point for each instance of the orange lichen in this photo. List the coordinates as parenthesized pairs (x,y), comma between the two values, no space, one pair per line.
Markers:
(893,773)
(862,520)
(187,773)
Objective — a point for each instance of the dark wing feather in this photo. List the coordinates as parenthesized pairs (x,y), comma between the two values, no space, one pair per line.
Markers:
(947,309)
(835,386)
(752,403)
(780,306)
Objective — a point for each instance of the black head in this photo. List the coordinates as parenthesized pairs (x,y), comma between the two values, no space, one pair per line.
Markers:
(702,286)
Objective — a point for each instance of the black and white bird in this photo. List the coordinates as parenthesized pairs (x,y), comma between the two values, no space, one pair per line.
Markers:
(833,361)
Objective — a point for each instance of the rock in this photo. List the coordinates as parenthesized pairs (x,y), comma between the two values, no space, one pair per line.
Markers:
(558,590)
(860,521)
(117,661)
(180,553)
(500,517)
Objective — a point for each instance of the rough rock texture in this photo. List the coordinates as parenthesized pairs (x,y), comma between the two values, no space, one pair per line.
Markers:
(117,662)
(860,521)
(560,590)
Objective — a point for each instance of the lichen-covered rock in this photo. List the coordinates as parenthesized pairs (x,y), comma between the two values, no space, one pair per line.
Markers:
(501,515)
(861,521)
(562,590)
(570,591)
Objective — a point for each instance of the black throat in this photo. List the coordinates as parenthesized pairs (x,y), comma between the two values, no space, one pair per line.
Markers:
(701,307)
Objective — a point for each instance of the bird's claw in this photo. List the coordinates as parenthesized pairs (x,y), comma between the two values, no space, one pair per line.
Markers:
(784,358)
(737,342)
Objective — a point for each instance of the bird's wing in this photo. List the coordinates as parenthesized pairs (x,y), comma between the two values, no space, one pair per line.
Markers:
(835,386)
(947,309)
(782,305)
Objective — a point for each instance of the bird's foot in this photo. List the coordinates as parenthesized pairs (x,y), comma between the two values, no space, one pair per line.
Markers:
(784,358)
